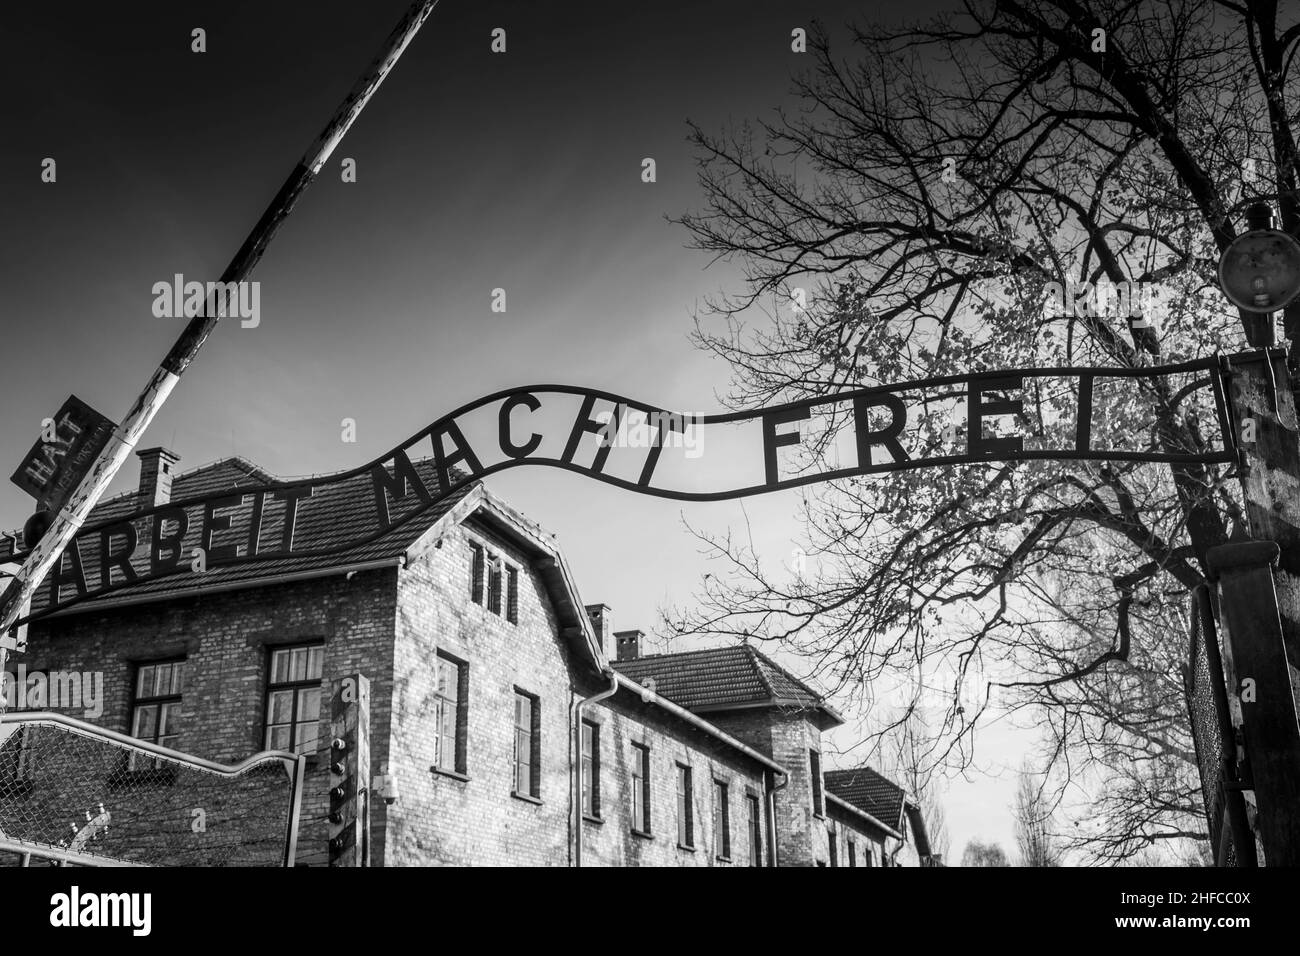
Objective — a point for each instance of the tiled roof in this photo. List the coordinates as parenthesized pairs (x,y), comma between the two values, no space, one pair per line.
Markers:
(738,675)
(335,514)
(870,792)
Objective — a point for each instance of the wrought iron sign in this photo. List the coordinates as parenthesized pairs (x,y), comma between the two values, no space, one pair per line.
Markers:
(623,442)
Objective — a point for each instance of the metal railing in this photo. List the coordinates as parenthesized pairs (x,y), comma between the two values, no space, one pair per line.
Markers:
(143,803)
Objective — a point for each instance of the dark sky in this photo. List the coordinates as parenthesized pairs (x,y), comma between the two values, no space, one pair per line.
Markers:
(475,171)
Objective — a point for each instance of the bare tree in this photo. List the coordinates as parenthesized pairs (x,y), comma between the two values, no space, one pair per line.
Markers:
(935,183)
(911,767)
(979,853)
(1033,823)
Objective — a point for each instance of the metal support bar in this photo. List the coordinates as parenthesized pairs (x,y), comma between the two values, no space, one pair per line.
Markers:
(118,449)
(297,774)
(61,855)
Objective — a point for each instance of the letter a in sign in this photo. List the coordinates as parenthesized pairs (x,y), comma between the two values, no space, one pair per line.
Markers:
(349,690)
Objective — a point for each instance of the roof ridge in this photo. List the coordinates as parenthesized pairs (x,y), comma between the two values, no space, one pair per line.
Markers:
(249,466)
(821,698)
(251,469)
(762,678)
(867,768)
(856,770)
(698,650)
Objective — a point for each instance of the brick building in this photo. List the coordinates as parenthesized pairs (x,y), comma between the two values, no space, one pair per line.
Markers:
(821,817)
(511,724)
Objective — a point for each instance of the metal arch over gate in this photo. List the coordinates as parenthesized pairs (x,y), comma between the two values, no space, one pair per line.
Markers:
(888,427)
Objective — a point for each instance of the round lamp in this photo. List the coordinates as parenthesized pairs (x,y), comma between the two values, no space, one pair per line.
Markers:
(1260,270)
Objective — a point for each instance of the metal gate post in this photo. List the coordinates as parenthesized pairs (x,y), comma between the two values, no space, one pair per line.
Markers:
(1262,408)
(1262,672)
(349,772)
(1231,838)
(297,770)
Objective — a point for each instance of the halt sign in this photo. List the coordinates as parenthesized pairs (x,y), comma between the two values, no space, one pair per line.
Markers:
(69,443)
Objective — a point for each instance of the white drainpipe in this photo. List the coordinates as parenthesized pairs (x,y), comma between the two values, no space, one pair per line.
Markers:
(771,815)
(576,765)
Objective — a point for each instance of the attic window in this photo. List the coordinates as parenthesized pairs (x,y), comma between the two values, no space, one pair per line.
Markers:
(476,568)
(494,584)
(495,568)
(167,468)
(512,595)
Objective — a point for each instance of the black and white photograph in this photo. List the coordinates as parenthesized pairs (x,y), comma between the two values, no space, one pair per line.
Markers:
(613,435)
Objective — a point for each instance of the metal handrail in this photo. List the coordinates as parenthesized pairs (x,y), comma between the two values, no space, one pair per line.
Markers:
(134,743)
(294,764)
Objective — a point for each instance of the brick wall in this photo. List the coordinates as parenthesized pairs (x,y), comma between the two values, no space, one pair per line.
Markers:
(845,826)
(226,640)
(446,819)
(786,736)
(440,818)
(624,720)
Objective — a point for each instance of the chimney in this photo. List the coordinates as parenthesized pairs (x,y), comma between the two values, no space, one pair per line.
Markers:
(157,468)
(601,621)
(629,644)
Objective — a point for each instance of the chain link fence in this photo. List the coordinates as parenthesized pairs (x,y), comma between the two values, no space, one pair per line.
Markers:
(1212,733)
(75,794)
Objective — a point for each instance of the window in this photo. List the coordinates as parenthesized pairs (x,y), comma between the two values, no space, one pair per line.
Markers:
(449,710)
(495,568)
(156,716)
(527,745)
(293,698)
(834,841)
(591,769)
(512,595)
(815,760)
(755,828)
(685,820)
(493,583)
(853,853)
(476,570)
(868,858)
(640,788)
(721,821)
